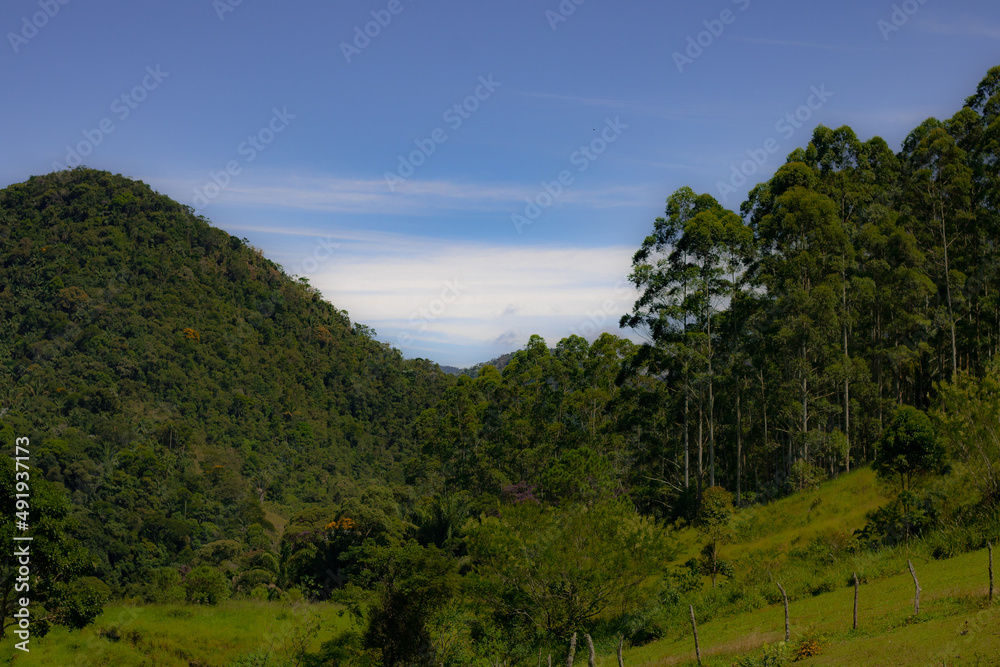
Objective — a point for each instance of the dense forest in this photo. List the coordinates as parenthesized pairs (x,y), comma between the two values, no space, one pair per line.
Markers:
(204,425)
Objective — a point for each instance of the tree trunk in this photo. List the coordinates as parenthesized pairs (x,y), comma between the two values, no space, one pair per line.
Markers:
(856,586)
(694,628)
(739,442)
(701,442)
(947,283)
(621,642)
(687,446)
(847,381)
(916,587)
(805,410)
(591,656)
(711,407)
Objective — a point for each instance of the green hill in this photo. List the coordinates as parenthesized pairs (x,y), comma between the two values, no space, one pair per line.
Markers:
(180,385)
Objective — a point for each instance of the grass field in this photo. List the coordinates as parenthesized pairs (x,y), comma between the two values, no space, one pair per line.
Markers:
(955,625)
(798,539)
(185,635)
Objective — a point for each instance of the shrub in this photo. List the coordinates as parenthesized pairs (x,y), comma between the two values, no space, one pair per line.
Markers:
(810,645)
(249,580)
(805,475)
(83,602)
(773,655)
(163,585)
(259,560)
(206,585)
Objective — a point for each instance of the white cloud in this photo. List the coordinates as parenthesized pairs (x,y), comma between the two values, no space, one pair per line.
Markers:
(463,302)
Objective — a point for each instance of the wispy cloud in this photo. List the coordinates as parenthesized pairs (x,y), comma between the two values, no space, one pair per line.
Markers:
(657,110)
(967,25)
(809,45)
(336,194)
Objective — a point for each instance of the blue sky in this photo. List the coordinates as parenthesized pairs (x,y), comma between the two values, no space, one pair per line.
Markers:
(466,173)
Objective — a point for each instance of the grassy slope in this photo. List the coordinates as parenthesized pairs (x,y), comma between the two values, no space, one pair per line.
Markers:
(183,635)
(954,623)
(953,599)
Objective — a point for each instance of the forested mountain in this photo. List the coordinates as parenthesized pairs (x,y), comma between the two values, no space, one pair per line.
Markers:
(216,425)
(174,379)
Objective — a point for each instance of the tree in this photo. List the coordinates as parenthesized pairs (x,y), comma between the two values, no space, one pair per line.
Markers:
(410,583)
(909,448)
(553,571)
(968,419)
(714,521)
(58,586)
(684,270)
(940,186)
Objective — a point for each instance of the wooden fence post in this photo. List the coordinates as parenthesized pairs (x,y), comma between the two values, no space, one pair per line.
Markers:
(694,627)
(856,585)
(990,547)
(916,586)
(785,598)
(572,650)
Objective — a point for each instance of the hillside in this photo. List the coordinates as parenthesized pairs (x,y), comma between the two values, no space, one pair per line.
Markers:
(179,384)
(807,542)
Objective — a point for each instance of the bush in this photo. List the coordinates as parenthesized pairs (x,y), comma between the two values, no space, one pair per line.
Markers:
(83,602)
(811,644)
(773,655)
(805,475)
(163,585)
(247,581)
(206,585)
(260,658)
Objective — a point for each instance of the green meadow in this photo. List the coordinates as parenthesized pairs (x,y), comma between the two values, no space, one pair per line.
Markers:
(234,632)
(955,626)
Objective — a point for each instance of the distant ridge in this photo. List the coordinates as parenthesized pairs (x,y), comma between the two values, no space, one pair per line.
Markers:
(472,371)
